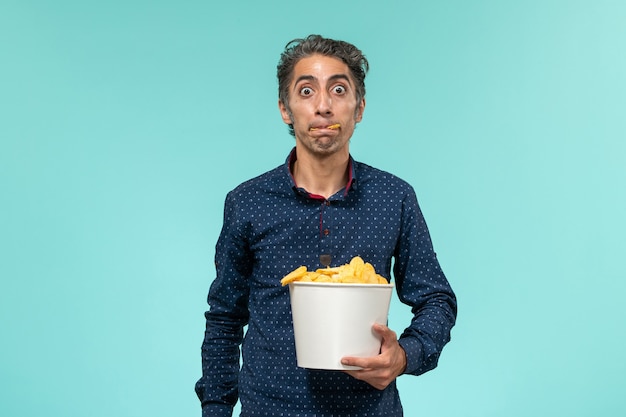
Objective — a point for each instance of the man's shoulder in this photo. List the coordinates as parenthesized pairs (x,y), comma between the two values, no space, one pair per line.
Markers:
(268,180)
(369,175)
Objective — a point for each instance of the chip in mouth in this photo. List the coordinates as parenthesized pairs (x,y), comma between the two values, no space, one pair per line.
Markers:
(333,127)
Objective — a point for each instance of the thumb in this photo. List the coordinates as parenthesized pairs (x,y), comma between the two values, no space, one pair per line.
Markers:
(384,332)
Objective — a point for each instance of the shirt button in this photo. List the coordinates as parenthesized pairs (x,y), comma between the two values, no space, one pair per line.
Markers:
(327,203)
(326,232)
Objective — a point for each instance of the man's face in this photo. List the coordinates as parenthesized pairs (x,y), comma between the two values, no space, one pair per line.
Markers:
(322,95)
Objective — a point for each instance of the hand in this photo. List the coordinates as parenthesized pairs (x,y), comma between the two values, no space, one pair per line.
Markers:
(381,370)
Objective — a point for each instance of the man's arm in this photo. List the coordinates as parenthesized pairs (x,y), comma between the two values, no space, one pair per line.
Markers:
(421,284)
(217,389)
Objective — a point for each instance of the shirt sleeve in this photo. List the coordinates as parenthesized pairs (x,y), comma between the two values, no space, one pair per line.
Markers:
(422,285)
(217,389)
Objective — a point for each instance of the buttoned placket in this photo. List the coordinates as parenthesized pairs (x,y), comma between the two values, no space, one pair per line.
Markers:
(325,239)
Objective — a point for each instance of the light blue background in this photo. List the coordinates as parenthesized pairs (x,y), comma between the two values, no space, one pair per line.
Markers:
(124,123)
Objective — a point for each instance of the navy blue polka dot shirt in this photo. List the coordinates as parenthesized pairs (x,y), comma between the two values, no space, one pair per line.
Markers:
(270,228)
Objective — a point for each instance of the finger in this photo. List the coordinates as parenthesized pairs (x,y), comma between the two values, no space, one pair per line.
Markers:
(388,336)
(380,328)
(372,377)
(363,363)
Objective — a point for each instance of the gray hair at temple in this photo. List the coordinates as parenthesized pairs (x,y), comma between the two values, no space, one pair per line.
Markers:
(316,44)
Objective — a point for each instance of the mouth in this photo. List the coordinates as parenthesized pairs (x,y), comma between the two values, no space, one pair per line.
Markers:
(331,127)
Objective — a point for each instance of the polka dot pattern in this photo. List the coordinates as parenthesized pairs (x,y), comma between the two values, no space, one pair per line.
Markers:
(270,228)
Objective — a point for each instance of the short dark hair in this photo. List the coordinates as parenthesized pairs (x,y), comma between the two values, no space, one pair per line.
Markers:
(297,49)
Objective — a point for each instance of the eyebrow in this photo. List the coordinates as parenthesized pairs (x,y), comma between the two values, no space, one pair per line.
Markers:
(334,77)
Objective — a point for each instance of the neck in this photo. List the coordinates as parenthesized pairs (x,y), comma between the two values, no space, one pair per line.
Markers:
(321,176)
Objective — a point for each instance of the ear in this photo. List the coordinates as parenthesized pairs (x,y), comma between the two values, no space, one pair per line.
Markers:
(359,111)
(284,113)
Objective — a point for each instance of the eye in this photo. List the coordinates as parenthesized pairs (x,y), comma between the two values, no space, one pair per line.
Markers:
(339,89)
(306,91)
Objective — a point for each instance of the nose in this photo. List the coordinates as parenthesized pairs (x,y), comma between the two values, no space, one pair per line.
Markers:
(324,104)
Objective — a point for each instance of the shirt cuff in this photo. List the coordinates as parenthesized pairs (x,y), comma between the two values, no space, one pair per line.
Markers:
(413,349)
(217,410)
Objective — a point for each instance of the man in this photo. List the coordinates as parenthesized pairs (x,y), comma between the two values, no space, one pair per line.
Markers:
(319,208)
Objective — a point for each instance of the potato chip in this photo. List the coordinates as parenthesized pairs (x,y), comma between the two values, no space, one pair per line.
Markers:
(328,271)
(323,278)
(332,127)
(356,271)
(357,264)
(294,275)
